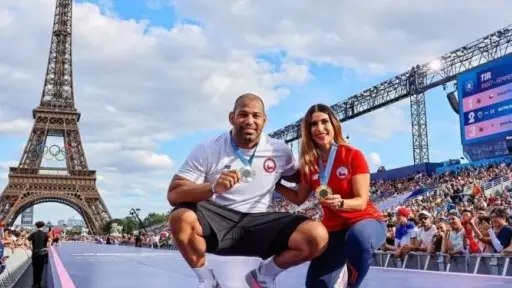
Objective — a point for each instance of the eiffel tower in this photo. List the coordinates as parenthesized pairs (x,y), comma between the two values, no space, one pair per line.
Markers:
(56,116)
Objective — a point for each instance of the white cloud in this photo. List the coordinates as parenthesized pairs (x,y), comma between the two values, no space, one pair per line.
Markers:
(136,86)
(375,159)
(375,36)
(4,166)
(16,126)
(381,125)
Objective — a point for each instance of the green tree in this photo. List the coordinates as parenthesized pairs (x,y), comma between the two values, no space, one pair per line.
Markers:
(130,224)
(73,233)
(155,219)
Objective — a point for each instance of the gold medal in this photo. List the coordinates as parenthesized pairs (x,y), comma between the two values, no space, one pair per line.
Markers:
(323,191)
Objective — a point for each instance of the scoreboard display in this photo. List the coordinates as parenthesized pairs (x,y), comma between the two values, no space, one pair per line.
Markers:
(485,101)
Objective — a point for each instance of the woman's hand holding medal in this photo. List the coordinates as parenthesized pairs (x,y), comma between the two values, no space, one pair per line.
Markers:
(333,201)
(226,181)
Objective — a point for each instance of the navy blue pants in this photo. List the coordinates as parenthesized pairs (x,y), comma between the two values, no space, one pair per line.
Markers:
(354,247)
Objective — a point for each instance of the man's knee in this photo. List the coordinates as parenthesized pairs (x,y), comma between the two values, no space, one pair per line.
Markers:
(312,237)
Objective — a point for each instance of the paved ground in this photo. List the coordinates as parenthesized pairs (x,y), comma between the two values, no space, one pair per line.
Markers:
(95,265)
(25,280)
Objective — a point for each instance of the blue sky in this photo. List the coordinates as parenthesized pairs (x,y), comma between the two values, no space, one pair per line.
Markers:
(330,84)
(385,133)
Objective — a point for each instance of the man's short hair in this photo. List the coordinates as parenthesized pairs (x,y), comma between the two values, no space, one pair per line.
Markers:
(485,219)
(247,96)
(466,210)
(39,224)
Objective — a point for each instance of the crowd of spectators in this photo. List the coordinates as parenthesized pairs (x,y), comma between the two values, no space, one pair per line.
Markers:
(11,239)
(454,217)
(453,182)
(157,240)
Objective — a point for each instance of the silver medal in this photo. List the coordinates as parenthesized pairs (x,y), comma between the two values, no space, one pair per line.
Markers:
(246,174)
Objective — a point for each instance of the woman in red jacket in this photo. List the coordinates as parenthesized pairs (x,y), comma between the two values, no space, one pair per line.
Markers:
(340,177)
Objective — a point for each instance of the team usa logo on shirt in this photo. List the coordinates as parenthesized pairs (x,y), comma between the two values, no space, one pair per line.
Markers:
(315,177)
(342,172)
(269,165)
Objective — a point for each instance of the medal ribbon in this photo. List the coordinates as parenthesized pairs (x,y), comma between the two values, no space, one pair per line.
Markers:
(326,173)
(247,162)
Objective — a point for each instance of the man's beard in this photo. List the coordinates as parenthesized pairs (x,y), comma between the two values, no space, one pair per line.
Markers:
(248,138)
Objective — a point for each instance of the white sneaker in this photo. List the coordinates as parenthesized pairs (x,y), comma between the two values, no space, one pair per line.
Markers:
(209,283)
(255,279)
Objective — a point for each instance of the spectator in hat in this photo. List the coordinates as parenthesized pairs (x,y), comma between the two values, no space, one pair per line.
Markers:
(426,232)
(455,243)
(405,232)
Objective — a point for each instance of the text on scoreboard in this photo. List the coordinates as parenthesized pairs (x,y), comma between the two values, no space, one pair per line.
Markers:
(485,101)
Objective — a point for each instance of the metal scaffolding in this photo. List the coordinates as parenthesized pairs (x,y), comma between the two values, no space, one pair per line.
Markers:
(413,84)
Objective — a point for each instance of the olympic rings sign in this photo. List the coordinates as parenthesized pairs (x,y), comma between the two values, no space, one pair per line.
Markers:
(53,152)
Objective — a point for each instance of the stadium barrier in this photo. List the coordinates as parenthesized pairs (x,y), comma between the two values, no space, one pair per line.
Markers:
(480,163)
(16,264)
(494,185)
(77,241)
(483,264)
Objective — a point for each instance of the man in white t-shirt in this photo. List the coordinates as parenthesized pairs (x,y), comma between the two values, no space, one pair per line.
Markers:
(426,232)
(222,195)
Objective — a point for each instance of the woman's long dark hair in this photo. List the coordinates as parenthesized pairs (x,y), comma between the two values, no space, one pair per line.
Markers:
(309,150)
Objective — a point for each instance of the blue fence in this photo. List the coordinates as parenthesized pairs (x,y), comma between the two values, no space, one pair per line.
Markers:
(483,264)
(404,172)
(482,163)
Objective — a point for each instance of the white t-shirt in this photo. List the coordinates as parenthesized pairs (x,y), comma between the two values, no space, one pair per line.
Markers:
(457,239)
(426,237)
(272,160)
(407,238)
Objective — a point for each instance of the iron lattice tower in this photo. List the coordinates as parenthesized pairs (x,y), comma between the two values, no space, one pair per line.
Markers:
(420,151)
(418,116)
(75,185)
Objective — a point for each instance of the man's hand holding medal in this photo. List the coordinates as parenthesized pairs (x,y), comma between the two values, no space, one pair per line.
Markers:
(226,181)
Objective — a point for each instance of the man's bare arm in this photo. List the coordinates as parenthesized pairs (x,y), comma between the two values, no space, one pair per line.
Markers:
(296,197)
(183,190)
